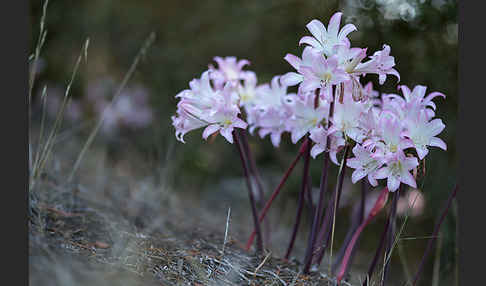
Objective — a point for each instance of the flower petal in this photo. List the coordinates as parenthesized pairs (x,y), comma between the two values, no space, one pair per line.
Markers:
(408,179)
(392,184)
(316,150)
(381,78)
(310,41)
(297,134)
(437,142)
(406,91)
(333,157)
(382,173)
(317,29)
(334,22)
(275,138)
(237,122)
(227,133)
(372,180)
(353,163)
(310,85)
(243,63)
(435,126)
(357,175)
(291,79)
(429,97)
(210,130)
(419,91)
(395,73)
(294,61)
(422,152)
(346,30)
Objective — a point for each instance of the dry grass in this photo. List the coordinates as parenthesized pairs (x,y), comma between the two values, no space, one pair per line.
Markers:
(79,236)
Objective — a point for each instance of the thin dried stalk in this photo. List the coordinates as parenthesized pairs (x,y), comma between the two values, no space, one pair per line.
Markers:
(143,50)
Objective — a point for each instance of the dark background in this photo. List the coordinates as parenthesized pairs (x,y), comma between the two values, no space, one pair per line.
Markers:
(423,40)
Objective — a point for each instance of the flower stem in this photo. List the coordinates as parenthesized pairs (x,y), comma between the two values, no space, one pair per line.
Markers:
(364,190)
(377,254)
(390,237)
(253,168)
(302,192)
(357,219)
(318,210)
(342,171)
(244,162)
(434,235)
(379,204)
(256,176)
(327,227)
(277,191)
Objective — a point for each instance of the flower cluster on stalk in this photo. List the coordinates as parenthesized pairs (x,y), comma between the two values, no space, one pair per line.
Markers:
(388,133)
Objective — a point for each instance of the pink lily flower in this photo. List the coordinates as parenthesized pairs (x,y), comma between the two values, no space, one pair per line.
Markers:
(422,133)
(397,170)
(364,164)
(323,73)
(293,78)
(381,63)
(305,117)
(229,70)
(323,40)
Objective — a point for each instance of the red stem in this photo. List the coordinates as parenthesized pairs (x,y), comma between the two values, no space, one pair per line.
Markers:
(381,244)
(244,161)
(434,235)
(357,219)
(301,201)
(256,176)
(318,210)
(253,167)
(277,191)
(380,202)
(325,232)
(391,232)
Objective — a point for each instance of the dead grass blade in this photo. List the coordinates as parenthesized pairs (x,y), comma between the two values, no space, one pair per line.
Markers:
(141,53)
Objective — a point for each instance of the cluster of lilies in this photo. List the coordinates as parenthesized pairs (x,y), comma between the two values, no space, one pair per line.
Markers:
(379,136)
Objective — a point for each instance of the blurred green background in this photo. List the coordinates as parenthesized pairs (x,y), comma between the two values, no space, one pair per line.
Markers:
(423,39)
